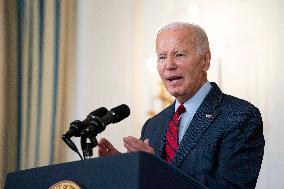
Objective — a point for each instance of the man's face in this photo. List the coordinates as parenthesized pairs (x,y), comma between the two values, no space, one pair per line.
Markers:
(181,68)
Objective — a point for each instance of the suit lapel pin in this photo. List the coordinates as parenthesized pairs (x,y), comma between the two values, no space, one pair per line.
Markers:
(208,116)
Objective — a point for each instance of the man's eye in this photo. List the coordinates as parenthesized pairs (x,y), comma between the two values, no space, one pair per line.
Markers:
(162,57)
(179,55)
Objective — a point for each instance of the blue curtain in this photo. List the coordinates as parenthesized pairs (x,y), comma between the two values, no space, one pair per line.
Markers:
(37,62)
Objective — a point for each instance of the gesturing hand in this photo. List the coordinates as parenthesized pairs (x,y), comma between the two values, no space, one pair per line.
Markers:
(106,148)
(133,144)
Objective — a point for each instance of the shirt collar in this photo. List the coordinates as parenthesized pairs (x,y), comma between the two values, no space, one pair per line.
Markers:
(197,99)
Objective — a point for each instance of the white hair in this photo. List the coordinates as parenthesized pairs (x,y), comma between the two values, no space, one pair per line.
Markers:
(199,35)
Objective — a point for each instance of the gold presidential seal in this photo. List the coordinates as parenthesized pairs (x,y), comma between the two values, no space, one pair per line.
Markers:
(65,184)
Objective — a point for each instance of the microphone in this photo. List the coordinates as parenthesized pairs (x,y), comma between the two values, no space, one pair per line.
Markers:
(77,126)
(98,124)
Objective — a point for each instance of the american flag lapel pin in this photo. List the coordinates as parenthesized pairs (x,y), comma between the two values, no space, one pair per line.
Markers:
(208,116)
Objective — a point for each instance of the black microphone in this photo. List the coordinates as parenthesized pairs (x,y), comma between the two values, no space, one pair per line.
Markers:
(77,126)
(98,124)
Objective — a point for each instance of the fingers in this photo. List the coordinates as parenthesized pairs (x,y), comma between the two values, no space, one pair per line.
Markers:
(102,151)
(130,148)
(102,147)
(104,143)
(133,144)
(106,148)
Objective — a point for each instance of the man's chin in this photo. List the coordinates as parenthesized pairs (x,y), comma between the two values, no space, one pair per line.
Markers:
(178,95)
(175,93)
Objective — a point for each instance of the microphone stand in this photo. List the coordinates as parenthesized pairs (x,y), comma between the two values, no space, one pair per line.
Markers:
(91,133)
(87,147)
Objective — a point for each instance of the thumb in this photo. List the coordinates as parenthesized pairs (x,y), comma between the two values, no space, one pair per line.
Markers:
(147,141)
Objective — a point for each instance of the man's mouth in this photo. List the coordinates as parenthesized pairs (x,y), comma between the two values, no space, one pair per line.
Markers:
(173,78)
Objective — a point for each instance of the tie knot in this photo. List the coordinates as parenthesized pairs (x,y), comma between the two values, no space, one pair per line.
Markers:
(181,109)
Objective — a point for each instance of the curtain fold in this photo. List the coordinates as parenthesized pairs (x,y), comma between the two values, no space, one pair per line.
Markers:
(37,62)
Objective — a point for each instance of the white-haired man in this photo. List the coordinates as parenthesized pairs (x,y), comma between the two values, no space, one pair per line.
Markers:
(213,137)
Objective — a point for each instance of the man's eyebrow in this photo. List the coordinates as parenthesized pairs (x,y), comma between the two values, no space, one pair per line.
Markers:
(162,53)
(173,52)
(180,50)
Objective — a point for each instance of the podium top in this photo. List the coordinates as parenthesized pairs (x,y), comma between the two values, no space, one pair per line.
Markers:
(137,170)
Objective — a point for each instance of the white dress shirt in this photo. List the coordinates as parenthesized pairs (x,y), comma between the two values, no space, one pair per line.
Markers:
(191,106)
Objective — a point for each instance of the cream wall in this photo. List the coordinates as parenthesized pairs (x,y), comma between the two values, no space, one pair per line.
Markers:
(115,56)
(105,62)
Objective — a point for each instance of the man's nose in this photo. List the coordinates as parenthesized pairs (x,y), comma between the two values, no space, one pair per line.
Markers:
(171,63)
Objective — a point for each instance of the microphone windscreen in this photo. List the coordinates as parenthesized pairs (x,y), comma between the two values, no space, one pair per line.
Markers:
(100,112)
(120,112)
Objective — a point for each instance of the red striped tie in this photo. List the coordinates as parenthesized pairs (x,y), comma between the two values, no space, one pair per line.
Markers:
(172,134)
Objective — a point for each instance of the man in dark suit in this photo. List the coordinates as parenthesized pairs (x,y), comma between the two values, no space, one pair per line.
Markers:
(213,137)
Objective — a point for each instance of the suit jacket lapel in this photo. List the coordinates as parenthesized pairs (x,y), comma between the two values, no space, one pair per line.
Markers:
(202,119)
(169,112)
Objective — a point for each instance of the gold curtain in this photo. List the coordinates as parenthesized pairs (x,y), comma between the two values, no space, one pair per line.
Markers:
(37,43)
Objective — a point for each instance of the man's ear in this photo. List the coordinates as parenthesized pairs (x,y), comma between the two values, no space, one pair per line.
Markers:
(206,60)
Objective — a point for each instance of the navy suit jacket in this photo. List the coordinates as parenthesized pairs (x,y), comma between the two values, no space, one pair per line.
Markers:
(223,146)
